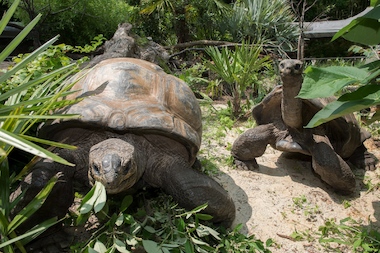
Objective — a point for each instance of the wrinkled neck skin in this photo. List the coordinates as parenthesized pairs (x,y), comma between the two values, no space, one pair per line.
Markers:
(291,107)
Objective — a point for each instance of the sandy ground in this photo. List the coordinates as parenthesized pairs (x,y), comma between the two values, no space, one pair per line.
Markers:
(284,196)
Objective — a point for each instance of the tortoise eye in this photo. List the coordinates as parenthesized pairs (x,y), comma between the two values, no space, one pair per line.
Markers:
(297,66)
(95,169)
(127,167)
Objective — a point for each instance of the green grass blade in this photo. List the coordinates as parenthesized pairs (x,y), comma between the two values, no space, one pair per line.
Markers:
(18,142)
(54,116)
(31,83)
(4,185)
(47,142)
(27,59)
(32,233)
(34,205)
(19,38)
(8,15)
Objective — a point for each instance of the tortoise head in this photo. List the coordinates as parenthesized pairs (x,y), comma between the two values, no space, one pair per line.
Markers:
(112,162)
(291,72)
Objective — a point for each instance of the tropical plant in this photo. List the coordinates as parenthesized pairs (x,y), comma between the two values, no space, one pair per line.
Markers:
(20,108)
(263,20)
(323,82)
(239,68)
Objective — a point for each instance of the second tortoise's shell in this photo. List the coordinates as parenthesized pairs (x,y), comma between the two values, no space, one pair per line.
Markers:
(133,95)
(344,132)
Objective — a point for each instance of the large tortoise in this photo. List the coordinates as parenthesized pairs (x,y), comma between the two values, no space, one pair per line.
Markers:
(280,118)
(138,126)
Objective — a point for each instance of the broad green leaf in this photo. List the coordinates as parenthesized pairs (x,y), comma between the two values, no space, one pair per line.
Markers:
(151,246)
(165,250)
(362,98)
(99,247)
(171,245)
(96,198)
(150,229)
(212,232)
(34,205)
(101,199)
(84,207)
(20,143)
(120,220)
(199,242)
(364,30)
(91,250)
(189,248)
(325,82)
(181,225)
(120,246)
(127,201)
(367,92)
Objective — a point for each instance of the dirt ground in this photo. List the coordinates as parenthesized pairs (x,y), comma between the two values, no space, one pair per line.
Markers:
(284,196)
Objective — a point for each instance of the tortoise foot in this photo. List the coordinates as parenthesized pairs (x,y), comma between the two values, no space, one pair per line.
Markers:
(246,165)
(362,159)
(332,169)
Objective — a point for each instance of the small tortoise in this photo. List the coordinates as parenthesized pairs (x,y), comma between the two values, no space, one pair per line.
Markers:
(280,118)
(138,126)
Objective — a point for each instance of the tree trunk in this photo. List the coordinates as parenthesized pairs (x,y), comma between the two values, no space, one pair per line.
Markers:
(236,100)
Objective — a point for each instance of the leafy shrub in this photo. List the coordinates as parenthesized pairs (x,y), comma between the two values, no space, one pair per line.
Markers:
(76,21)
(351,233)
(154,222)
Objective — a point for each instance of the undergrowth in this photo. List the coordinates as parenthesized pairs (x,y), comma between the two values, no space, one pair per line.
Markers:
(152,222)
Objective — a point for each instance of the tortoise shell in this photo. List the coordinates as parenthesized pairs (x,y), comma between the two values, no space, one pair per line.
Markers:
(130,95)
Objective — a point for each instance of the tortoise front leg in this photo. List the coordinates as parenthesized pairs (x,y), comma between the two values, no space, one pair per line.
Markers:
(191,188)
(62,195)
(252,144)
(330,166)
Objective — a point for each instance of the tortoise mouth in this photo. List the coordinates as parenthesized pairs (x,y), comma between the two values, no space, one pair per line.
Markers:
(118,185)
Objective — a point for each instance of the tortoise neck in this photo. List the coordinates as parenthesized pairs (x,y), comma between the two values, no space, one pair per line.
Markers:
(291,107)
